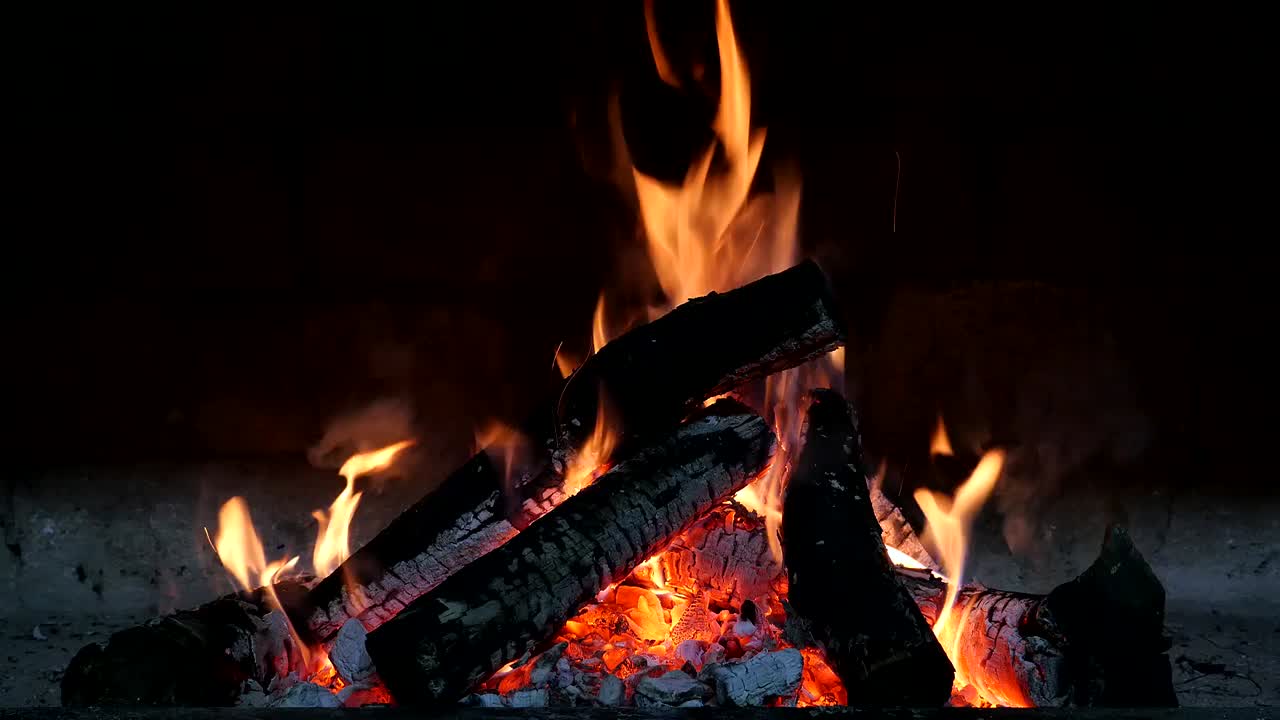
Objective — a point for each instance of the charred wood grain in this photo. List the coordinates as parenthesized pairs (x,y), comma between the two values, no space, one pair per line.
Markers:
(841,582)
(650,378)
(1097,640)
(193,657)
(516,597)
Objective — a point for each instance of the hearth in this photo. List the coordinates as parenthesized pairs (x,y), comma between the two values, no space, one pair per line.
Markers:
(693,516)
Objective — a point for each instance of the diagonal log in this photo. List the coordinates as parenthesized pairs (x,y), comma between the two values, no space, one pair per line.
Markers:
(841,583)
(649,378)
(517,597)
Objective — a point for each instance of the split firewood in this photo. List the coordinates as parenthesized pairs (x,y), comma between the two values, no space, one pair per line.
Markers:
(649,378)
(194,657)
(841,582)
(515,598)
(1097,640)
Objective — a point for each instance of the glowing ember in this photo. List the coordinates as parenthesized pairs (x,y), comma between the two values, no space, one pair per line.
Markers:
(663,618)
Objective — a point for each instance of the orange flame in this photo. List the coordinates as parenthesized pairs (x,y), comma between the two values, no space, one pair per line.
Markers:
(564,362)
(592,458)
(503,444)
(941,443)
(332,539)
(947,530)
(708,235)
(660,62)
(240,551)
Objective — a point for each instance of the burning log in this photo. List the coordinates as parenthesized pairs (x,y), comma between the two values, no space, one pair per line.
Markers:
(1097,640)
(518,596)
(650,378)
(841,582)
(194,657)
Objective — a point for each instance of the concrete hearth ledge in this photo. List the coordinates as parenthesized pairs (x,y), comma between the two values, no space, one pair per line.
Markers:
(638,714)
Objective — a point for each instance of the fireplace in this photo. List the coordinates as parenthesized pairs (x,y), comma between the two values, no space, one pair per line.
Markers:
(746,470)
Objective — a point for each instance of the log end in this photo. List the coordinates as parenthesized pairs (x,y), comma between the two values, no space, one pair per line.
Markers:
(1110,622)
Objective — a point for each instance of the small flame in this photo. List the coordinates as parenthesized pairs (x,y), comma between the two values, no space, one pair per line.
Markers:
(237,544)
(332,539)
(564,362)
(660,62)
(504,445)
(947,530)
(599,329)
(240,551)
(941,444)
(592,458)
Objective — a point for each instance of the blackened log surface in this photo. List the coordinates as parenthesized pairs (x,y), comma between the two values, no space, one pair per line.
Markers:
(652,376)
(612,713)
(517,596)
(193,657)
(466,517)
(1097,640)
(657,373)
(840,579)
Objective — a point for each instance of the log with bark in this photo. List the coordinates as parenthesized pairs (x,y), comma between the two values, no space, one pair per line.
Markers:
(841,582)
(649,378)
(1097,640)
(194,657)
(517,597)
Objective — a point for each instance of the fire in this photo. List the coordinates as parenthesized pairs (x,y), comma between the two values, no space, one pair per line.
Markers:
(940,444)
(503,444)
(332,538)
(591,460)
(239,549)
(947,531)
(708,234)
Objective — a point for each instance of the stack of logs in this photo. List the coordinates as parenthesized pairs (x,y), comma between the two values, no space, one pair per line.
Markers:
(482,590)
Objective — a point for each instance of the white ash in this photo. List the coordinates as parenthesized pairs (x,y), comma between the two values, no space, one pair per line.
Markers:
(274,650)
(307,695)
(691,651)
(486,700)
(545,666)
(673,688)
(752,682)
(349,657)
(537,697)
(612,691)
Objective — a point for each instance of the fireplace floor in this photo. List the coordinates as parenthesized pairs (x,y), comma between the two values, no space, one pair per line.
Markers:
(102,549)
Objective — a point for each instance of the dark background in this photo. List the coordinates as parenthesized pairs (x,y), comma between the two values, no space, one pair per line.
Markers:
(231,224)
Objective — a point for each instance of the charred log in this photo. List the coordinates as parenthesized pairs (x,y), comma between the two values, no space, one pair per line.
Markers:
(1097,640)
(649,379)
(841,582)
(518,596)
(194,657)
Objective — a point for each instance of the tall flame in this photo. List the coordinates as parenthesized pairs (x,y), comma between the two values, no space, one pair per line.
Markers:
(332,539)
(948,523)
(708,234)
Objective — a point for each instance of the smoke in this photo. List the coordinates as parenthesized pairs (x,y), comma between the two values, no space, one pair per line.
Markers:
(381,423)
